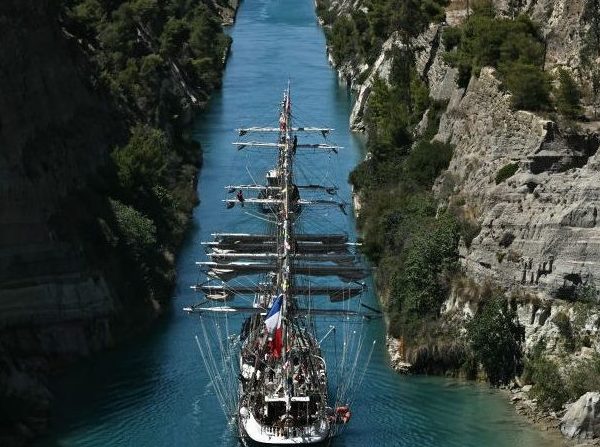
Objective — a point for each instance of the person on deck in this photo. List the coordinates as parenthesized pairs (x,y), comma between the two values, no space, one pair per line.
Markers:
(240,197)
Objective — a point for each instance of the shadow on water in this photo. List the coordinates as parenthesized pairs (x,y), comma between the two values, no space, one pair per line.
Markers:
(154,391)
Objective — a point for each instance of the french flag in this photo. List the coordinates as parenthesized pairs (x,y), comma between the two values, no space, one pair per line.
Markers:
(273,324)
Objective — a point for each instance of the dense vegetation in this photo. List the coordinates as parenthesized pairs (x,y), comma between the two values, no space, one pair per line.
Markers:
(414,246)
(553,389)
(156,61)
(359,35)
(140,42)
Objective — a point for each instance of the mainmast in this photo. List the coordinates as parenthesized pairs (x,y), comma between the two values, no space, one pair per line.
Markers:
(286,175)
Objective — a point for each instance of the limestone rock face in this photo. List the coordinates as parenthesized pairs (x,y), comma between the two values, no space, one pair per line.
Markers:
(380,69)
(429,64)
(582,419)
(538,227)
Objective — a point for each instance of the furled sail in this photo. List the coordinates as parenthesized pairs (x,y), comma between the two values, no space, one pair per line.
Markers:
(335,293)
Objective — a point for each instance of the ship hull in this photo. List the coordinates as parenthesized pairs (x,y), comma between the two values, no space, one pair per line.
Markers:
(256,434)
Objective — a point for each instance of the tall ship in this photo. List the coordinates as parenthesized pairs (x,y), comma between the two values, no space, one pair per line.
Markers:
(271,361)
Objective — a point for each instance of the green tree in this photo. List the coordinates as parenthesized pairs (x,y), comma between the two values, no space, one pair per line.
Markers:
(568,95)
(496,338)
(513,47)
(173,37)
(427,160)
(433,250)
(138,231)
(143,161)
(529,86)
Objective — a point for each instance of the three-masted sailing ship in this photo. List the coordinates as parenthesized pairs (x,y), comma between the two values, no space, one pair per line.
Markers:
(276,364)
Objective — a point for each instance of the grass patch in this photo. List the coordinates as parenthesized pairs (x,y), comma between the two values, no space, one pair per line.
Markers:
(506,172)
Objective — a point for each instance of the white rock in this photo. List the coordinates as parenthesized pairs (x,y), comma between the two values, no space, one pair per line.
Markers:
(582,419)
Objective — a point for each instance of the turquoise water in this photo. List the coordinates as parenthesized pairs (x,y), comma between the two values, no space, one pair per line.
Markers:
(154,391)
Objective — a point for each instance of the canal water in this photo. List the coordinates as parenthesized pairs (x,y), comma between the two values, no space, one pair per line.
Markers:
(154,391)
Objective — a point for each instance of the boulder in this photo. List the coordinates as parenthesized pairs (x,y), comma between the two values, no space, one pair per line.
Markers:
(582,419)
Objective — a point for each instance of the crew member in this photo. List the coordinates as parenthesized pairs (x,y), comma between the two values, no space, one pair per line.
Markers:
(240,197)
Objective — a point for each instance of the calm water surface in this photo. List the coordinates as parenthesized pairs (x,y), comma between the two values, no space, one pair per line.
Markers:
(154,391)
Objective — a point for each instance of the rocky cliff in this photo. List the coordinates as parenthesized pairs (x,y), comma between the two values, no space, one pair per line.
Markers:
(568,29)
(64,293)
(533,232)
(55,134)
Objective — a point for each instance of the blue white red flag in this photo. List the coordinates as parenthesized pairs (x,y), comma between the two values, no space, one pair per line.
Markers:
(273,324)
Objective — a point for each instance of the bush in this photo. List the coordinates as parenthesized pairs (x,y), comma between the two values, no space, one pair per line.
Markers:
(138,231)
(432,251)
(553,389)
(507,239)
(584,377)
(496,338)
(506,171)
(359,35)
(451,37)
(562,321)
(568,96)
(469,229)
(174,34)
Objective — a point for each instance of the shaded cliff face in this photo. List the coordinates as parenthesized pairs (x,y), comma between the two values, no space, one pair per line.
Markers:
(56,130)
(70,283)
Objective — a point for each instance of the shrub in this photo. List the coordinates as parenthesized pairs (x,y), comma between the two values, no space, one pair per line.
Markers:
(451,37)
(174,34)
(548,386)
(562,321)
(584,377)
(506,171)
(432,251)
(469,229)
(496,337)
(507,239)
(513,47)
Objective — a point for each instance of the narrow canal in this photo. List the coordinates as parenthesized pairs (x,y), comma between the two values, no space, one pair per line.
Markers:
(154,391)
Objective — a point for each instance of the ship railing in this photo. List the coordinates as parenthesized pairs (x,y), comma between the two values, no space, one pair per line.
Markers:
(287,432)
